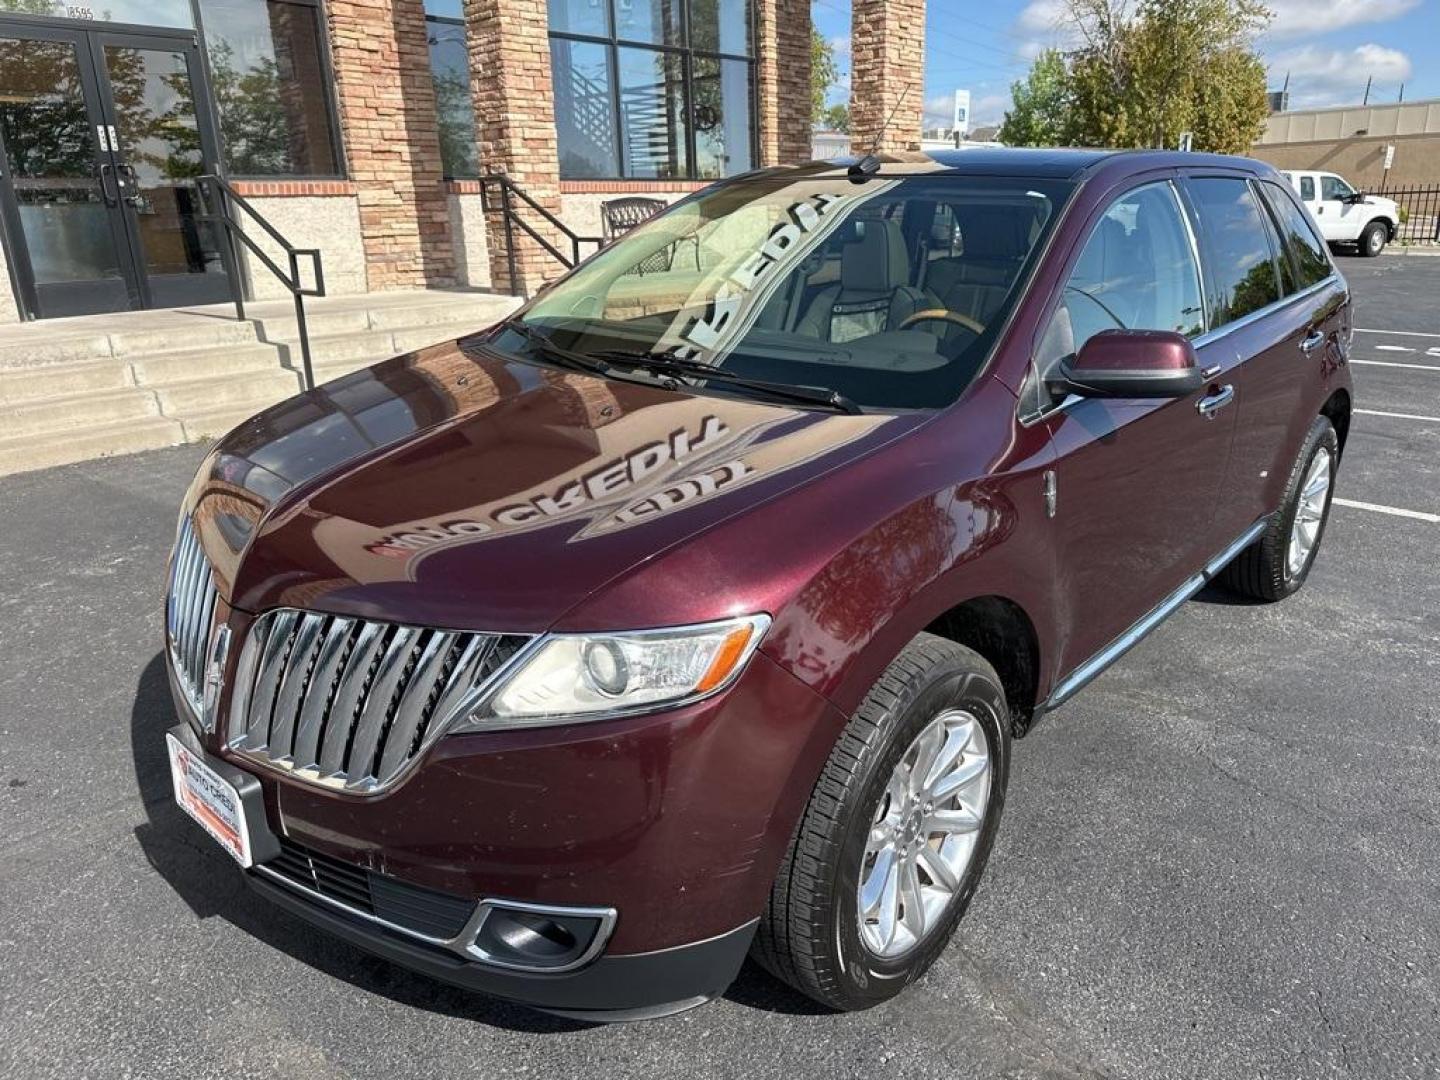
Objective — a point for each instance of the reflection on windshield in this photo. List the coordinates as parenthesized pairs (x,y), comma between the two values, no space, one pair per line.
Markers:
(890,291)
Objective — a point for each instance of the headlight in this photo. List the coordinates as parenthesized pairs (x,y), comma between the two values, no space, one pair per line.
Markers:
(568,677)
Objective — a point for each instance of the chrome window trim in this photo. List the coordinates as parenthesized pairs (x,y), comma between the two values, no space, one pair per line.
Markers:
(463,943)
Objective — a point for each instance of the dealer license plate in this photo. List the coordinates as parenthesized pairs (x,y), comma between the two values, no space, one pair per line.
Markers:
(210,799)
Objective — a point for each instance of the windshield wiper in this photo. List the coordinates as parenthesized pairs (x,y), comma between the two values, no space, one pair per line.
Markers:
(675,367)
(556,354)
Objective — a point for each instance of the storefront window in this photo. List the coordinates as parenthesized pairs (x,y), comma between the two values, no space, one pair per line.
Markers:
(659,89)
(454,108)
(584,108)
(271,87)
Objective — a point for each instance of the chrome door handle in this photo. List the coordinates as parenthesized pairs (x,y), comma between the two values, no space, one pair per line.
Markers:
(1212,403)
(1311,341)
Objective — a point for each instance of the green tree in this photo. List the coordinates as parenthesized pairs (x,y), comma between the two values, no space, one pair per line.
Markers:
(836,118)
(823,74)
(1040,106)
(1140,78)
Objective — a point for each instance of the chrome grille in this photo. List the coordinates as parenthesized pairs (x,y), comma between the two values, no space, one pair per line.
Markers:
(190,614)
(349,703)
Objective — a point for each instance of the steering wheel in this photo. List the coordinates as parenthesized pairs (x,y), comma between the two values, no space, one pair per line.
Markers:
(943,315)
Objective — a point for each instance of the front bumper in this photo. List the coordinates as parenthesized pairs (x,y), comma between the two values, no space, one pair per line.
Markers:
(676,821)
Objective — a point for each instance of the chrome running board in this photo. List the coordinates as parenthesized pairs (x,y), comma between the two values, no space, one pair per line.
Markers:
(1087,671)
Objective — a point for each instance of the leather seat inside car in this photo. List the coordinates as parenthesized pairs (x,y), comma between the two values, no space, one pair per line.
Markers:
(874,293)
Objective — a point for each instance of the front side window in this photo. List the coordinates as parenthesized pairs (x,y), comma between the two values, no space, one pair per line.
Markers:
(658,89)
(1332,187)
(1306,250)
(1239,262)
(450,70)
(811,282)
(271,87)
(1137,271)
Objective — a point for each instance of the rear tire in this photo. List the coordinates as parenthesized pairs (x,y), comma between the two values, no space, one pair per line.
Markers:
(1277,564)
(814,934)
(1374,238)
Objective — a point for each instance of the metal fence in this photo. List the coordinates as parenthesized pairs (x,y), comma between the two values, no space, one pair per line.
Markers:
(1419,213)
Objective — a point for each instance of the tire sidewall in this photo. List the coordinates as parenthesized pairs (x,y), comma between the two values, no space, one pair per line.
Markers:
(1372,240)
(866,977)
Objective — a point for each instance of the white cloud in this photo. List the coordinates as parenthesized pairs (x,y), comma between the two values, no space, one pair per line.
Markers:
(1299,18)
(1044,24)
(1044,16)
(1321,76)
(939,110)
(985,109)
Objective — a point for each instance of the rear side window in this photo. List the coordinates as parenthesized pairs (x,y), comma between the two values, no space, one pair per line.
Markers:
(1307,188)
(1307,253)
(1137,271)
(1236,246)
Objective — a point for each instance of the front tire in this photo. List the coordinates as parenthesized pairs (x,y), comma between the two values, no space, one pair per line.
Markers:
(897,831)
(1374,238)
(1277,564)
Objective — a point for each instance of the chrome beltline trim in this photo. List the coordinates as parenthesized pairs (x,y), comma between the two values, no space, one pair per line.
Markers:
(1092,667)
(463,943)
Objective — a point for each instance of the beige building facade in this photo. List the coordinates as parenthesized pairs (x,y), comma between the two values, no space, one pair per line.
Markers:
(1353,142)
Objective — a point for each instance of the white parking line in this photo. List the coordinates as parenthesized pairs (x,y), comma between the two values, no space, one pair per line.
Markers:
(1398,333)
(1394,511)
(1393,363)
(1399,415)
(1392,348)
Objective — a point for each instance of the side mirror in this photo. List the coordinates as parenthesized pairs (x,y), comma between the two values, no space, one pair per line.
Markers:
(1354,198)
(1133,364)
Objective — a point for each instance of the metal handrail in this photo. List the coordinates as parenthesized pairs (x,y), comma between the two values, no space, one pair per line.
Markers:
(293,282)
(509,191)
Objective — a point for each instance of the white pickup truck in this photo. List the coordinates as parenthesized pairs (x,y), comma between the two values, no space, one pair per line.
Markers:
(1346,216)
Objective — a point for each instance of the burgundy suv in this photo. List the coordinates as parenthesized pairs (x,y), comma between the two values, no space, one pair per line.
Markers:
(692,611)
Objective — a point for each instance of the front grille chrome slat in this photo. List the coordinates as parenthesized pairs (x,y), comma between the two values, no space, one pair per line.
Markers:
(351,704)
(190,616)
(322,683)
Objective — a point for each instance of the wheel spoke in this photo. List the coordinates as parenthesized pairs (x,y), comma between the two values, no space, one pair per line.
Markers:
(960,819)
(927,747)
(938,869)
(967,772)
(913,915)
(888,913)
(872,891)
(957,739)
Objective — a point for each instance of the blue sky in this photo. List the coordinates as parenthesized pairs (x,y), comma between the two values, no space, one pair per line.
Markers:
(1329,48)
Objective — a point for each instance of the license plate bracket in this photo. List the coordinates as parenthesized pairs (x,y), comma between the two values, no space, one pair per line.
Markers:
(226,802)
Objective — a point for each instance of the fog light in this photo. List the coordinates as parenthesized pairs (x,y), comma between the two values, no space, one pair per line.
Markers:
(536,938)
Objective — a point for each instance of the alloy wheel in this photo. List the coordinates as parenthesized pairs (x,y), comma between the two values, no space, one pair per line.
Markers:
(923,834)
(1309,512)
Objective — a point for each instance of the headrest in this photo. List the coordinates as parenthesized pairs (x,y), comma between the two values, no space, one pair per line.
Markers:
(876,262)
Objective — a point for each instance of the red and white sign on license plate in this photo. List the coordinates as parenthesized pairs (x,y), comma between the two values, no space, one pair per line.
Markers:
(210,799)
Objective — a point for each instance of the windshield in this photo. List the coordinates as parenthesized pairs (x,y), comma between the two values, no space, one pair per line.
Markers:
(889,292)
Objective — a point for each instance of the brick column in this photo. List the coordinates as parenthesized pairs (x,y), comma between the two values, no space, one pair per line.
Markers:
(392,137)
(782,80)
(514,97)
(887,64)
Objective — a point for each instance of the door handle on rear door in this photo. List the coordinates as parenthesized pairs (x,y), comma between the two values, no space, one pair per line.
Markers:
(1312,341)
(1214,401)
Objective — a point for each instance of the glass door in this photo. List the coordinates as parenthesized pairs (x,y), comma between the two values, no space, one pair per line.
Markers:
(105,136)
(158,140)
(68,242)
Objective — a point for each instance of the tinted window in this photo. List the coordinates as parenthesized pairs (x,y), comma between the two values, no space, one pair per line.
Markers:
(815,281)
(1305,249)
(1136,272)
(450,68)
(1237,248)
(1332,187)
(584,122)
(1307,188)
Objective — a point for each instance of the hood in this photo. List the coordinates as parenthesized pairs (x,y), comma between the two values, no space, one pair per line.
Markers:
(454,487)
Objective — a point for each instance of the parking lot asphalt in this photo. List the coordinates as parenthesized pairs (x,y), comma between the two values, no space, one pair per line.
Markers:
(1220,860)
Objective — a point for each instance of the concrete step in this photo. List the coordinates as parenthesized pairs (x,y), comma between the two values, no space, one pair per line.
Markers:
(249,390)
(160,369)
(56,380)
(43,450)
(24,347)
(61,415)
